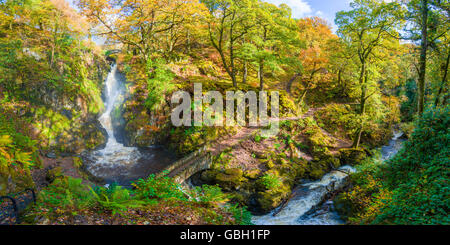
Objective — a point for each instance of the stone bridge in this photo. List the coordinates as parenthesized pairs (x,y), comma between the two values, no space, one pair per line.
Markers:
(184,168)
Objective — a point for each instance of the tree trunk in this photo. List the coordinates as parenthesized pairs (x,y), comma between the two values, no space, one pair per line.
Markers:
(232,68)
(188,41)
(261,63)
(444,80)
(245,73)
(357,140)
(362,82)
(261,75)
(291,81)
(423,57)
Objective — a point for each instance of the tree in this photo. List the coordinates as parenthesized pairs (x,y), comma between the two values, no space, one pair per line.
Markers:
(317,35)
(145,26)
(365,29)
(229,22)
(428,23)
(274,36)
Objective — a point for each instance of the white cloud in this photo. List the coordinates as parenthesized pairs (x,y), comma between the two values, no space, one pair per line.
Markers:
(300,8)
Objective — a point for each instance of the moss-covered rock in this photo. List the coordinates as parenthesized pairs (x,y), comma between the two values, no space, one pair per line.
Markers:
(53,173)
(209,176)
(352,156)
(270,199)
(343,206)
(15,180)
(319,166)
(231,179)
(252,174)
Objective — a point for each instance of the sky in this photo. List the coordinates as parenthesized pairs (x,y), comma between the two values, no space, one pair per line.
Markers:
(325,9)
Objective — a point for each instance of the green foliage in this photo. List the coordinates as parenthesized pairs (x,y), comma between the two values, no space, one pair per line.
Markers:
(208,194)
(412,187)
(418,174)
(114,198)
(158,187)
(66,194)
(409,104)
(159,83)
(270,181)
(240,214)
(338,119)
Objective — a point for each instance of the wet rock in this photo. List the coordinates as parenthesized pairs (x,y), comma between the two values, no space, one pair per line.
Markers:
(343,206)
(322,165)
(209,176)
(228,180)
(271,199)
(51,155)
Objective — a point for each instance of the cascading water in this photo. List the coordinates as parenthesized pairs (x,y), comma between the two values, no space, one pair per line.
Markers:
(303,208)
(117,162)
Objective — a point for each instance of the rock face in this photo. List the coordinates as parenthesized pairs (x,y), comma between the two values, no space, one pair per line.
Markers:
(15,181)
(67,123)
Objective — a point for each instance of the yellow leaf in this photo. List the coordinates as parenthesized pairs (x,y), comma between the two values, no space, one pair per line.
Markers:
(5,140)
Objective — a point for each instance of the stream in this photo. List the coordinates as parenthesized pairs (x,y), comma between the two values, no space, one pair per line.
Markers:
(116,162)
(307,206)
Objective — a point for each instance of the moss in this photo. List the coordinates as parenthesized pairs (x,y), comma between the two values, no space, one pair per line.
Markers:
(270,199)
(322,165)
(209,176)
(53,173)
(56,132)
(344,207)
(252,174)
(231,179)
(352,156)
(269,164)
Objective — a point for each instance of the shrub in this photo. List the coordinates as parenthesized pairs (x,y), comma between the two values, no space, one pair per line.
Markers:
(270,181)
(412,187)
(418,174)
(158,187)
(208,195)
(66,194)
(158,84)
(114,198)
(241,215)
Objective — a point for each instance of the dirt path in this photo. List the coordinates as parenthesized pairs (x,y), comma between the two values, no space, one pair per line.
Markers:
(238,140)
(65,164)
(245,132)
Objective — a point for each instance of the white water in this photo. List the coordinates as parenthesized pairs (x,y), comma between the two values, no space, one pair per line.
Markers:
(300,209)
(114,154)
(307,196)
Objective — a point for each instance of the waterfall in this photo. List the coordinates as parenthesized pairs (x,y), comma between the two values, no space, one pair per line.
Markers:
(116,162)
(114,154)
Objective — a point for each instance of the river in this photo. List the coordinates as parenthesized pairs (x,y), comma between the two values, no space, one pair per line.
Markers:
(307,206)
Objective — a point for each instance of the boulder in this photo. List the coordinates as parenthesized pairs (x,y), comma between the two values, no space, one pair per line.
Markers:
(252,174)
(352,156)
(230,179)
